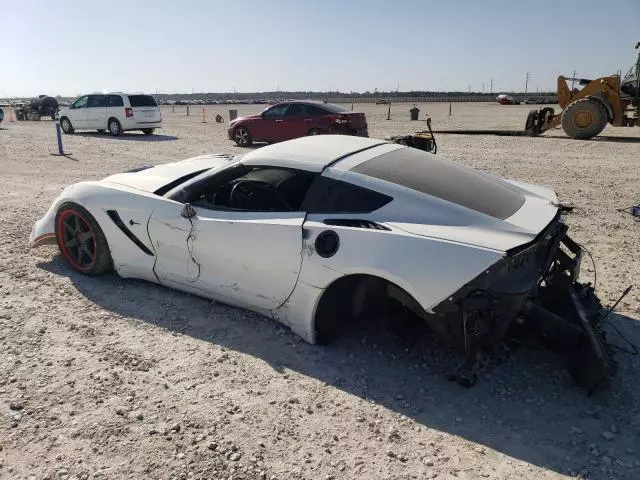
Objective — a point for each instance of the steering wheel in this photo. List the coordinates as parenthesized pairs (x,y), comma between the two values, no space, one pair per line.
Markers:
(240,196)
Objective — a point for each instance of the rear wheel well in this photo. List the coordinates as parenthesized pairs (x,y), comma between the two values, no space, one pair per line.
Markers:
(351,296)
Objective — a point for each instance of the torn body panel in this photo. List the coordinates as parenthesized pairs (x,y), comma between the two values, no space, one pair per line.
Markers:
(532,295)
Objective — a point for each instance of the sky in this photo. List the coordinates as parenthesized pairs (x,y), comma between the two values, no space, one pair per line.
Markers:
(70,47)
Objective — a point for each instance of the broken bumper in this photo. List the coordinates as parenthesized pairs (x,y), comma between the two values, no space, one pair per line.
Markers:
(533,296)
(43,231)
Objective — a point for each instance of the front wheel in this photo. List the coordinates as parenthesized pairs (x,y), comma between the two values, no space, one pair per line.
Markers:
(148,131)
(66,126)
(114,126)
(584,119)
(81,240)
(242,136)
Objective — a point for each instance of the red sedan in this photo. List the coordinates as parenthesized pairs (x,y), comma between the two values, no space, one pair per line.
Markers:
(294,119)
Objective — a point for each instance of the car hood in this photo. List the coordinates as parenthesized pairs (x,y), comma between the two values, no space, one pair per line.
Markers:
(150,179)
(246,117)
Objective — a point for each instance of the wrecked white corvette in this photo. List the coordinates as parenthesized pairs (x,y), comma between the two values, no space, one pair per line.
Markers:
(315,231)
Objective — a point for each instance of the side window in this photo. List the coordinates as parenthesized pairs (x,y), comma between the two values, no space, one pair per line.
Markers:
(81,102)
(276,111)
(327,195)
(317,111)
(297,110)
(142,101)
(114,101)
(96,101)
(258,189)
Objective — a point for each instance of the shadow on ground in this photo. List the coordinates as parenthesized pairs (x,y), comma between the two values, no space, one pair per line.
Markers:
(525,408)
(139,137)
(604,138)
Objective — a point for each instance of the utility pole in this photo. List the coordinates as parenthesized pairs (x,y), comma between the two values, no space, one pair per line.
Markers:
(469,88)
(482,87)
(491,88)
(526,82)
(573,79)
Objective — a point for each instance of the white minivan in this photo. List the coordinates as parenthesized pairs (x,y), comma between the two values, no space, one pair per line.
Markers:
(116,112)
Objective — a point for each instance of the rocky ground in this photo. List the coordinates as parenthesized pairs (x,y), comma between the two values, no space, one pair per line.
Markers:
(106,378)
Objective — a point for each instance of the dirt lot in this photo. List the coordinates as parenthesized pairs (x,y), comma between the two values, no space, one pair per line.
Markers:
(110,378)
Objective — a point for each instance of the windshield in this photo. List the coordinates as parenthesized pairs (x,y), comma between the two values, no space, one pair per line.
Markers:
(442,178)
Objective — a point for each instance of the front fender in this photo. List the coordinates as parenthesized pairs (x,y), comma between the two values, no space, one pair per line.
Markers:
(129,260)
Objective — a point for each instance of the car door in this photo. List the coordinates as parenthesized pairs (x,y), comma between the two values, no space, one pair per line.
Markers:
(245,258)
(97,112)
(249,258)
(78,112)
(297,122)
(269,127)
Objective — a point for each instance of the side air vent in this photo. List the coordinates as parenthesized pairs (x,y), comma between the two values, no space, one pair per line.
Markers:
(113,215)
(355,223)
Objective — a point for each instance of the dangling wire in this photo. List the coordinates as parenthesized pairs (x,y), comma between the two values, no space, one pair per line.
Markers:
(190,238)
(595,272)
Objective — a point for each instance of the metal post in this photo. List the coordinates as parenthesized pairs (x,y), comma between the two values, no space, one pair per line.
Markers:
(59,135)
(173,108)
(389,112)
(449,108)
(203,119)
(61,151)
(187,110)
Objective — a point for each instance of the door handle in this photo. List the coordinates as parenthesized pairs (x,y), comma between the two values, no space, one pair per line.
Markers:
(308,119)
(279,121)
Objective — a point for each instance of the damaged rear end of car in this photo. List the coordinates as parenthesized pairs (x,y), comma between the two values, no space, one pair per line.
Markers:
(532,296)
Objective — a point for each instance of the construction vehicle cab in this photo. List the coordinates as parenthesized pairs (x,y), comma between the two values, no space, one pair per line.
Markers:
(587,110)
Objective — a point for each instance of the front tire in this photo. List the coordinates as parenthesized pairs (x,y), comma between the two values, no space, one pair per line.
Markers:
(584,119)
(242,136)
(148,131)
(66,126)
(81,240)
(114,126)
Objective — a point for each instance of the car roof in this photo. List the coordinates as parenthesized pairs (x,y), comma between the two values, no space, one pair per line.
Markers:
(313,153)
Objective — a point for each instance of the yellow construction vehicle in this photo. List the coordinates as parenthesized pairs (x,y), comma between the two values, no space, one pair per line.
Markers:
(586,111)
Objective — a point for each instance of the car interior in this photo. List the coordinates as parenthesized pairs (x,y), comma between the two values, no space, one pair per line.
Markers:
(262,189)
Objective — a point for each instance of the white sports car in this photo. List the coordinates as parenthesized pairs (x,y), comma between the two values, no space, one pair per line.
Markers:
(315,231)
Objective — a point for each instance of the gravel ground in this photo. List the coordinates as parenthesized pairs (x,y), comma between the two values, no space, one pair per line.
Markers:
(109,378)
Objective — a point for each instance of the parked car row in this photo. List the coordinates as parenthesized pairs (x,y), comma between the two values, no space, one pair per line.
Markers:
(118,112)
(209,101)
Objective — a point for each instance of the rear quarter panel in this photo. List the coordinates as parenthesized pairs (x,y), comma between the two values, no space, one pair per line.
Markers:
(428,269)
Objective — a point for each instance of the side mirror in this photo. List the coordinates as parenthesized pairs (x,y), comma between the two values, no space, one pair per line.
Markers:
(188,211)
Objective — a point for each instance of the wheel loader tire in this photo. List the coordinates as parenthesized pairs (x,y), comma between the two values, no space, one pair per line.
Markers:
(584,119)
